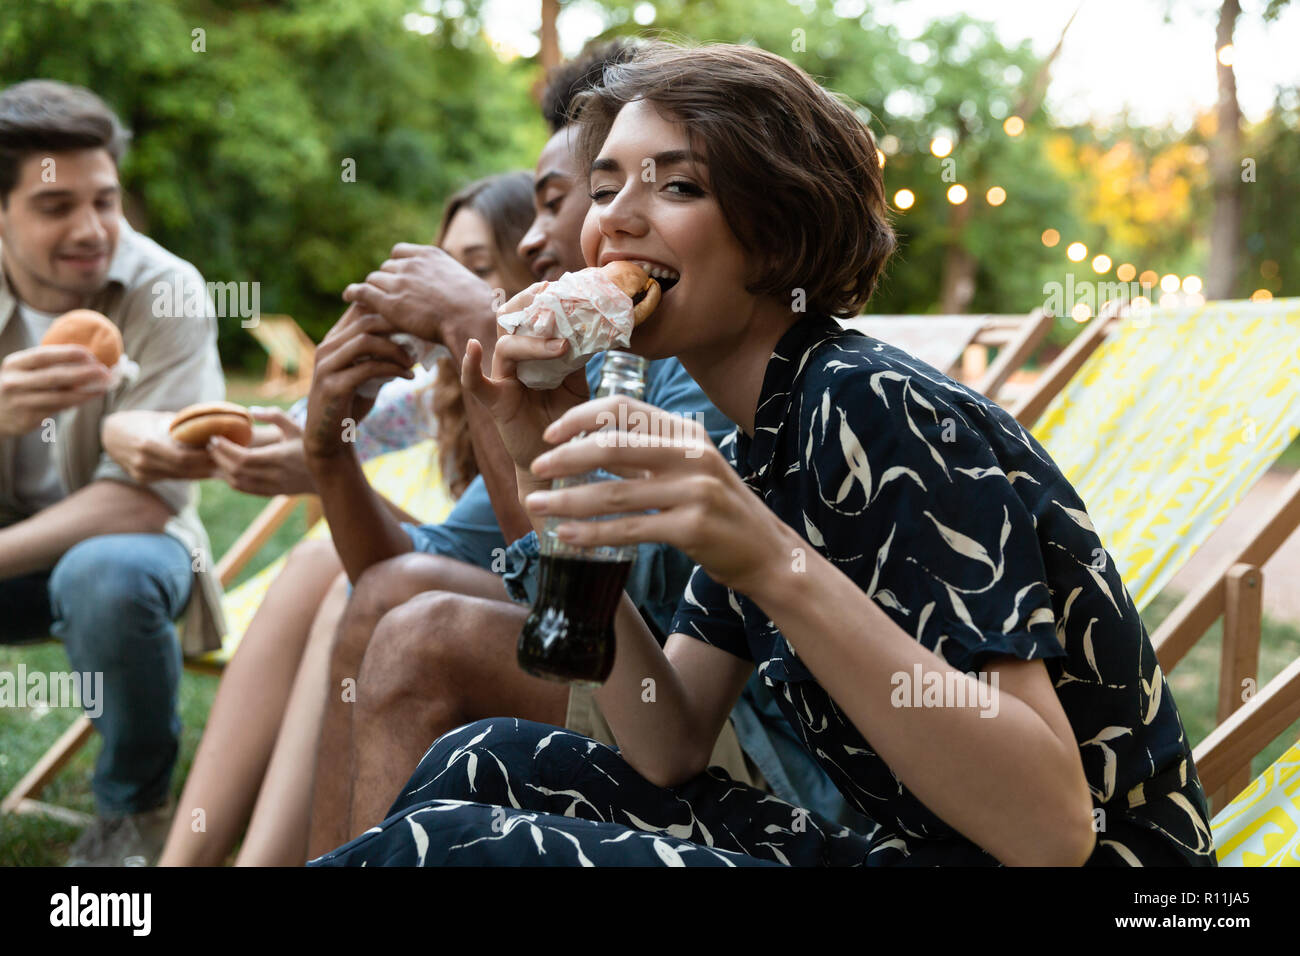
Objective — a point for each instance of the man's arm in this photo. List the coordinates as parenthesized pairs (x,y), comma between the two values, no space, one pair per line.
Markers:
(494,462)
(101,507)
(356,349)
(425,292)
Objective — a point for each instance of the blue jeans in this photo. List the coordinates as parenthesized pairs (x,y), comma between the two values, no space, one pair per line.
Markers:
(111,600)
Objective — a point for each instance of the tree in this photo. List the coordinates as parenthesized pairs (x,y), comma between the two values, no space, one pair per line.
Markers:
(249,117)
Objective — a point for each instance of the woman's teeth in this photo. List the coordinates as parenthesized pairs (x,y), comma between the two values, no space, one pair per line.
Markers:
(662,273)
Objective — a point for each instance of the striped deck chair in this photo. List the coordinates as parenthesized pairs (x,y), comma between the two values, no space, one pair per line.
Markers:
(941,341)
(1163,429)
(409,479)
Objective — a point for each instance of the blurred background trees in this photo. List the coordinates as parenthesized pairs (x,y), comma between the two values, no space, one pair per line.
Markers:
(248,114)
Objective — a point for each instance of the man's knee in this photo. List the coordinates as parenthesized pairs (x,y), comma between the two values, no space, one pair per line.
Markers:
(117,591)
(384,587)
(412,662)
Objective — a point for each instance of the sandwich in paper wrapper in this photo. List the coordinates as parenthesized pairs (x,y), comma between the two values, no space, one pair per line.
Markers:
(587,308)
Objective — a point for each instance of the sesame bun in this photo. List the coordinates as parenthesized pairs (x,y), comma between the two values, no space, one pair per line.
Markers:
(197,423)
(89,328)
(634,281)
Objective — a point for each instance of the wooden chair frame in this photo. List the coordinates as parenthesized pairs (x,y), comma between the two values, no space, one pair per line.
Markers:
(285,377)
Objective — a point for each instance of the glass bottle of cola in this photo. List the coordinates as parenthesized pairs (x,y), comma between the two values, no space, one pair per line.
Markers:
(569,636)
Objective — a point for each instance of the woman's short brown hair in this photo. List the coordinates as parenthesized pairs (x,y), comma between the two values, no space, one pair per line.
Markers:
(795,171)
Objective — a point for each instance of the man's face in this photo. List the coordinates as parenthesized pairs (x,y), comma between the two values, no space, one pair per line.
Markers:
(60,227)
(552,246)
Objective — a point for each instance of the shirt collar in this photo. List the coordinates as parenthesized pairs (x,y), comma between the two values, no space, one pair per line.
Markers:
(754,456)
(125,257)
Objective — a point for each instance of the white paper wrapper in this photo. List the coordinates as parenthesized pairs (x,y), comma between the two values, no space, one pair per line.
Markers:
(587,309)
(123,371)
(425,353)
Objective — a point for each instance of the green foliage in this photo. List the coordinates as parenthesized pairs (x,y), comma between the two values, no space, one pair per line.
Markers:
(1270,228)
(241,132)
(239,150)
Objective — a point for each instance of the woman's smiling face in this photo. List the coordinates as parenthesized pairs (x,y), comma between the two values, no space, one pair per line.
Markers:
(652,201)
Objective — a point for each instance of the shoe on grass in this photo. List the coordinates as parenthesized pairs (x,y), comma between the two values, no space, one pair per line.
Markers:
(133,840)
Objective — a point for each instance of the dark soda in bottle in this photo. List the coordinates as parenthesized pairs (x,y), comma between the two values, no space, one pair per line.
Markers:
(569,636)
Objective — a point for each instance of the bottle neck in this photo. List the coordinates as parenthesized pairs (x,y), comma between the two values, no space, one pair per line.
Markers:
(622,374)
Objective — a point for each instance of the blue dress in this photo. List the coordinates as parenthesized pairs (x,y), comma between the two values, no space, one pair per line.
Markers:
(959,526)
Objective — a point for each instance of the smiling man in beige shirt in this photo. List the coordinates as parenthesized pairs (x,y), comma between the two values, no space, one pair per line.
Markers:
(87,554)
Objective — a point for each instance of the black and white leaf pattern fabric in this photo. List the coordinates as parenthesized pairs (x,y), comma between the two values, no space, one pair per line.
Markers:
(512,792)
(959,526)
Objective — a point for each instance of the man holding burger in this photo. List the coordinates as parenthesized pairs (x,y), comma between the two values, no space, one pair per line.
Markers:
(87,554)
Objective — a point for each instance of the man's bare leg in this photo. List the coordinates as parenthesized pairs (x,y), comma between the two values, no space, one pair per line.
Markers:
(436,662)
(383,587)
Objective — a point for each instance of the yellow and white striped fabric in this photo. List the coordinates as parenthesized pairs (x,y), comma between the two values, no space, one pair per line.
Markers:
(409,478)
(1261,827)
(1169,423)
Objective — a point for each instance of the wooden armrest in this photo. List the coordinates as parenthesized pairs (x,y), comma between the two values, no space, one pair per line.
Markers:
(267,522)
(1020,343)
(1199,609)
(1256,724)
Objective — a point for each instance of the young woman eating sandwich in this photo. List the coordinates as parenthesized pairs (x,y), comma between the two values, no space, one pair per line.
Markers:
(905,566)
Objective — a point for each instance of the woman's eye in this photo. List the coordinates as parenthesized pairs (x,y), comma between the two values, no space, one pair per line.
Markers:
(598,194)
(686,188)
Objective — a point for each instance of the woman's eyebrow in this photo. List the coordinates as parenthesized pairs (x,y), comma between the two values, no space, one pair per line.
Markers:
(668,157)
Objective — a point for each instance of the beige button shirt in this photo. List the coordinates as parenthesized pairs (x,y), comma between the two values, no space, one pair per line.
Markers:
(179,365)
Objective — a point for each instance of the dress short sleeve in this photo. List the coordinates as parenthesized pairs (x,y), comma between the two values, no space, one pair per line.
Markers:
(908,498)
(711,613)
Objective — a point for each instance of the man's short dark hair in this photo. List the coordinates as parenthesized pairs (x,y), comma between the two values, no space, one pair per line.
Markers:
(567,80)
(46,116)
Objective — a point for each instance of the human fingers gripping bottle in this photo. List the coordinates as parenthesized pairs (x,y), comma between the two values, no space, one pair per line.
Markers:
(569,636)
